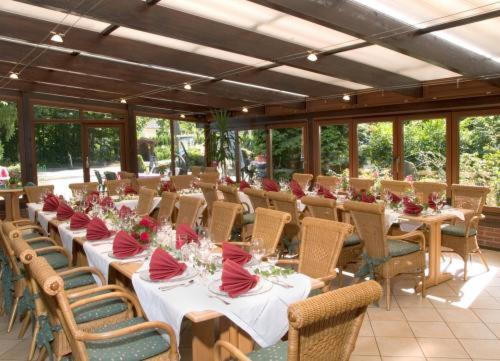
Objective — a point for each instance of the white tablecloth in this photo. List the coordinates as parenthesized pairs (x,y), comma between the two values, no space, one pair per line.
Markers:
(68,235)
(132,203)
(32,209)
(263,317)
(44,218)
(97,255)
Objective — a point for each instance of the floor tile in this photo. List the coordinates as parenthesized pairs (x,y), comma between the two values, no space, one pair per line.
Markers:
(366,346)
(485,349)
(485,302)
(402,358)
(458,315)
(391,328)
(412,301)
(495,328)
(398,346)
(364,358)
(474,330)
(442,348)
(431,329)
(421,314)
(379,314)
(492,316)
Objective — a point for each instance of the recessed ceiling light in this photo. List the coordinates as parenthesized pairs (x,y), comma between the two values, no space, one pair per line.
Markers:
(312,57)
(13,75)
(346,97)
(187,86)
(123,101)
(183,116)
(57,37)
(244,110)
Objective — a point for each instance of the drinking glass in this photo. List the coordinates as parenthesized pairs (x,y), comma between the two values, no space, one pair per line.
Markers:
(257,249)
(273,257)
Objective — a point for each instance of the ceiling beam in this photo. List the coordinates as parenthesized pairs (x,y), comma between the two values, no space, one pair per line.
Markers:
(360,21)
(458,22)
(109,30)
(135,14)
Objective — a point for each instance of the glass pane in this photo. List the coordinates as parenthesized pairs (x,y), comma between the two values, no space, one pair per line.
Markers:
(59,156)
(253,160)
(104,151)
(101,116)
(287,152)
(375,150)
(153,145)
(9,143)
(425,150)
(189,146)
(46,112)
(334,142)
(480,154)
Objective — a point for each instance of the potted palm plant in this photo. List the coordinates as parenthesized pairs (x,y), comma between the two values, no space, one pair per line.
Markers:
(222,140)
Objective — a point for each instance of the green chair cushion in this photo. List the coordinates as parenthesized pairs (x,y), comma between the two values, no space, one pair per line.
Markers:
(134,347)
(457,231)
(40,244)
(278,352)
(27,235)
(352,240)
(56,260)
(249,218)
(98,310)
(401,248)
(78,280)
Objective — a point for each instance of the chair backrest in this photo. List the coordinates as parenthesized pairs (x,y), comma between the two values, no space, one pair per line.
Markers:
(98,176)
(110,175)
(395,186)
(230,194)
(35,193)
(189,209)
(209,191)
(222,220)
(361,183)
(326,327)
(285,202)
(469,197)
(258,197)
(182,181)
(126,175)
(302,178)
(324,208)
(7,232)
(268,226)
(327,181)
(210,177)
(321,243)
(195,170)
(167,205)
(83,187)
(369,220)
(210,169)
(146,197)
(149,182)
(113,186)
(424,189)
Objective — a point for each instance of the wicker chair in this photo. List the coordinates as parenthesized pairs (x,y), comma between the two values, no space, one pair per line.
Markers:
(135,337)
(83,187)
(195,170)
(303,179)
(327,181)
(126,175)
(395,186)
(145,202)
(182,181)
(461,237)
(258,197)
(189,209)
(222,221)
(388,255)
(246,219)
(167,205)
(210,170)
(209,191)
(113,186)
(321,328)
(423,189)
(35,193)
(149,183)
(286,202)
(361,183)
(210,177)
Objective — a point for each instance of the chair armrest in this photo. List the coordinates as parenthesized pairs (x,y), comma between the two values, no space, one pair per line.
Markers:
(33,227)
(473,221)
(415,234)
(90,291)
(41,238)
(117,294)
(22,222)
(59,249)
(328,278)
(284,261)
(233,350)
(246,207)
(243,244)
(92,270)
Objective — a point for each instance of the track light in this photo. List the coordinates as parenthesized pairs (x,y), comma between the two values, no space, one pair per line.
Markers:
(123,101)
(187,86)
(183,116)
(57,37)
(13,75)
(244,110)
(346,97)
(312,57)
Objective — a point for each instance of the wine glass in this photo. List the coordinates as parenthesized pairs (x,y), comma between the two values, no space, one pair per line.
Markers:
(273,257)
(316,187)
(257,249)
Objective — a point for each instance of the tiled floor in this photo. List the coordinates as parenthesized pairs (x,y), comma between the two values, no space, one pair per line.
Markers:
(455,321)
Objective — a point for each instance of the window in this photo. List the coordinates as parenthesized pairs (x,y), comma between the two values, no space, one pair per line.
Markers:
(104,150)
(287,152)
(253,161)
(189,142)
(480,154)
(153,145)
(47,112)
(334,143)
(375,150)
(9,140)
(101,116)
(424,146)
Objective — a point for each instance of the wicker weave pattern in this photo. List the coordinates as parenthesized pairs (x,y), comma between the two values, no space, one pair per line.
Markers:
(195,170)
(327,181)
(469,197)
(113,186)
(189,208)
(395,186)
(423,189)
(126,175)
(222,221)
(145,202)
(269,226)
(167,205)
(210,194)
(149,182)
(257,197)
(361,183)
(323,208)
(210,177)
(230,194)
(302,178)
(285,202)
(210,170)
(34,193)
(182,181)
(83,187)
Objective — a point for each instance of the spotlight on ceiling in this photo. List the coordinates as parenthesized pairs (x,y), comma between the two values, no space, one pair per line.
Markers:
(183,116)
(187,86)
(244,110)
(123,101)
(57,37)
(312,57)
(346,97)
(13,75)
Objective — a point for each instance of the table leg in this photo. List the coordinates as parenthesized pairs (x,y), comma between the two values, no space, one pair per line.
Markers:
(435,276)
(203,340)
(8,206)
(14,206)
(233,334)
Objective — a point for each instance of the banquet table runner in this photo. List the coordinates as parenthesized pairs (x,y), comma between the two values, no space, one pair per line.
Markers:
(67,235)
(97,255)
(33,208)
(44,218)
(132,203)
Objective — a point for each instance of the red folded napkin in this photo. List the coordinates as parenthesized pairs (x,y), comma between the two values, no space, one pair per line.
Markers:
(296,189)
(149,222)
(64,211)
(78,220)
(228,180)
(129,190)
(270,185)
(163,266)
(367,198)
(395,199)
(235,254)
(94,193)
(184,234)
(97,229)
(410,207)
(124,212)
(167,186)
(107,202)
(236,280)
(124,245)
(325,192)
(243,185)
(50,204)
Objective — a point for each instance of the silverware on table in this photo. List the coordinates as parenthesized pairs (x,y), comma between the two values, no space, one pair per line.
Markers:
(184,284)
(211,295)
(280,283)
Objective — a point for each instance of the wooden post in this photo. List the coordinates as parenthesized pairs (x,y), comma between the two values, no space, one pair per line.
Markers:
(208,147)
(26,140)
(132,140)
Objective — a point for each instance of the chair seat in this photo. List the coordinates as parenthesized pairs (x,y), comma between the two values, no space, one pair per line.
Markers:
(78,280)
(249,218)
(352,240)
(401,248)
(56,260)
(134,347)
(457,231)
(278,352)
(27,235)
(41,244)
(99,310)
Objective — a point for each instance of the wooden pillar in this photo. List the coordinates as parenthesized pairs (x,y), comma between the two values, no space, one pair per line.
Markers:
(131,140)
(353,148)
(26,140)
(172,147)
(312,148)
(269,152)
(208,145)
(398,149)
(237,162)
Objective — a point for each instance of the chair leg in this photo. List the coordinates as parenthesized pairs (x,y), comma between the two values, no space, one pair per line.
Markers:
(465,268)
(483,259)
(388,293)
(24,325)
(33,342)
(13,315)
(42,355)
(422,275)
(340,277)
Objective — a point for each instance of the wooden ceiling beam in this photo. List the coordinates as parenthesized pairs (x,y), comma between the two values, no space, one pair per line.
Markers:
(458,22)
(109,30)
